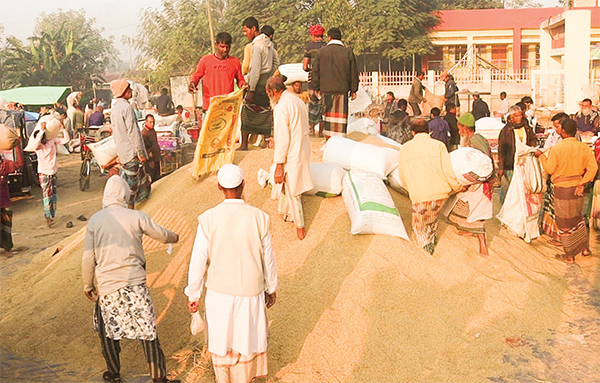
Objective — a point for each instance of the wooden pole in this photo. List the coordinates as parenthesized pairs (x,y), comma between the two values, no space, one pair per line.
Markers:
(210,25)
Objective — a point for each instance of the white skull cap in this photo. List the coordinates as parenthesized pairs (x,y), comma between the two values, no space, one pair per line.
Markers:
(230,176)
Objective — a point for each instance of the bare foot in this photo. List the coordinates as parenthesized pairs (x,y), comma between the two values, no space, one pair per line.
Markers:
(49,222)
(8,253)
(301,233)
(565,258)
(586,252)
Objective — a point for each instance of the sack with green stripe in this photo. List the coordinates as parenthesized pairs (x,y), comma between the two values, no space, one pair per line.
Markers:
(370,205)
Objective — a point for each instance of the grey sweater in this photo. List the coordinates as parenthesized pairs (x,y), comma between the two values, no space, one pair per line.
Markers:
(113,256)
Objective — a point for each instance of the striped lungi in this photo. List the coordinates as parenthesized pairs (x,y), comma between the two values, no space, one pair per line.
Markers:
(425,223)
(137,179)
(458,217)
(315,109)
(335,114)
(5,228)
(547,216)
(257,117)
(235,367)
(49,196)
(572,228)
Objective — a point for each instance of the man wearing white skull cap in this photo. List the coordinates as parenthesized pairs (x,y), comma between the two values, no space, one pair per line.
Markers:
(240,278)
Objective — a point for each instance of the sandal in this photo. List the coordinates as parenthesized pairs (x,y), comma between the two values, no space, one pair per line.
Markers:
(109,377)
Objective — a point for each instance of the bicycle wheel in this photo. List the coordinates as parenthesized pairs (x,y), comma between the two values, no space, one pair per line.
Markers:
(84,174)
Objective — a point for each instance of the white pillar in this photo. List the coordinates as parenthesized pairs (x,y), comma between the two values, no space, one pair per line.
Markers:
(577,56)
(375,82)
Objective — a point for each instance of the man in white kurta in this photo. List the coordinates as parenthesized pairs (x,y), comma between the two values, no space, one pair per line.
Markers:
(240,278)
(292,152)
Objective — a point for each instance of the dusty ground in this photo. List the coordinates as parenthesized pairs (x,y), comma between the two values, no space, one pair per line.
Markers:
(364,308)
(30,233)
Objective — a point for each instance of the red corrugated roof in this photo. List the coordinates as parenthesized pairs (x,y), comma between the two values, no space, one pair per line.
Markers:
(487,19)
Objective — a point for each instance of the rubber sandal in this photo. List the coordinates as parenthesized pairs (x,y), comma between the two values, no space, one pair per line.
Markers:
(107,376)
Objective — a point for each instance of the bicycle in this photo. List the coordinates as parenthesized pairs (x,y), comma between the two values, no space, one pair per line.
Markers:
(86,158)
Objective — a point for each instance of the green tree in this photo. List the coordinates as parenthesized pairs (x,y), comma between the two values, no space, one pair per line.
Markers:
(65,49)
(469,4)
(172,40)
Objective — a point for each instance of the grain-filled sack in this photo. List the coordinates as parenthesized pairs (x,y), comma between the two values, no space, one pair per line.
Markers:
(535,176)
(327,179)
(363,125)
(34,140)
(393,179)
(370,205)
(52,126)
(8,137)
(105,151)
(471,166)
(358,156)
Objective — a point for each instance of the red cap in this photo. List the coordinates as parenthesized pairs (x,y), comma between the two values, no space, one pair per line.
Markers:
(316,30)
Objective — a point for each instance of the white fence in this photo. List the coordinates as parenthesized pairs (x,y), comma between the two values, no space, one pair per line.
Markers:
(394,79)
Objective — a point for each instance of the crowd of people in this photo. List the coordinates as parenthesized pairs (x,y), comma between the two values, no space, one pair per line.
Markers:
(114,264)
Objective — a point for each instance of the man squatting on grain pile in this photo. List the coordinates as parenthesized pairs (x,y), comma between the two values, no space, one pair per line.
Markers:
(236,316)
(292,152)
(114,277)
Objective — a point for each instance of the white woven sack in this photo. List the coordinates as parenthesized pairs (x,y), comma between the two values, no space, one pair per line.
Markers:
(393,179)
(354,155)
(535,177)
(471,166)
(327,179)
(104,151)
(52,126)
(363,125)
(370,206)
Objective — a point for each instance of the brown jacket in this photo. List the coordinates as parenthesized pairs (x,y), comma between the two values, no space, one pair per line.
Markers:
(507,145)
(334,70)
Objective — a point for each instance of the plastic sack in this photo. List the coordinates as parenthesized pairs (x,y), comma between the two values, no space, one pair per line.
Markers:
(354,155)
(520,211)
(104,151)
(363,125)
(395,183)
(488,123)
(471,166)
(327,179)
(8,137)
(535,177)
(293,72)
(361,103)
(52,126)
(197,324)
(34,141)
(370,206)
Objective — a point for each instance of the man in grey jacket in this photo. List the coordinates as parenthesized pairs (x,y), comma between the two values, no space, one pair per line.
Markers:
(130,144)
(114,277)
(257,116)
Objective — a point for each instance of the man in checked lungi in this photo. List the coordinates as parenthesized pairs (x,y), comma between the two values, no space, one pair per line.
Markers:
(424,167)
(114,277)
(130,144)
(240,278)
(335,76)
(571,165)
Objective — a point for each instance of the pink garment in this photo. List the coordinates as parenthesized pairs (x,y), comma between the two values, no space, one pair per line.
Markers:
(46,155)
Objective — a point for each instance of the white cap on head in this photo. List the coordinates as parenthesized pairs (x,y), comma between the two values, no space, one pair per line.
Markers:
(230,176)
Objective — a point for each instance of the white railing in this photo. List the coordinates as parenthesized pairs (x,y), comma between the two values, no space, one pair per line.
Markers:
(461,76)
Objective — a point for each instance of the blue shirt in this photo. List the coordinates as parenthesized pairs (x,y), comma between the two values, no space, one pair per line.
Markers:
(440,130)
